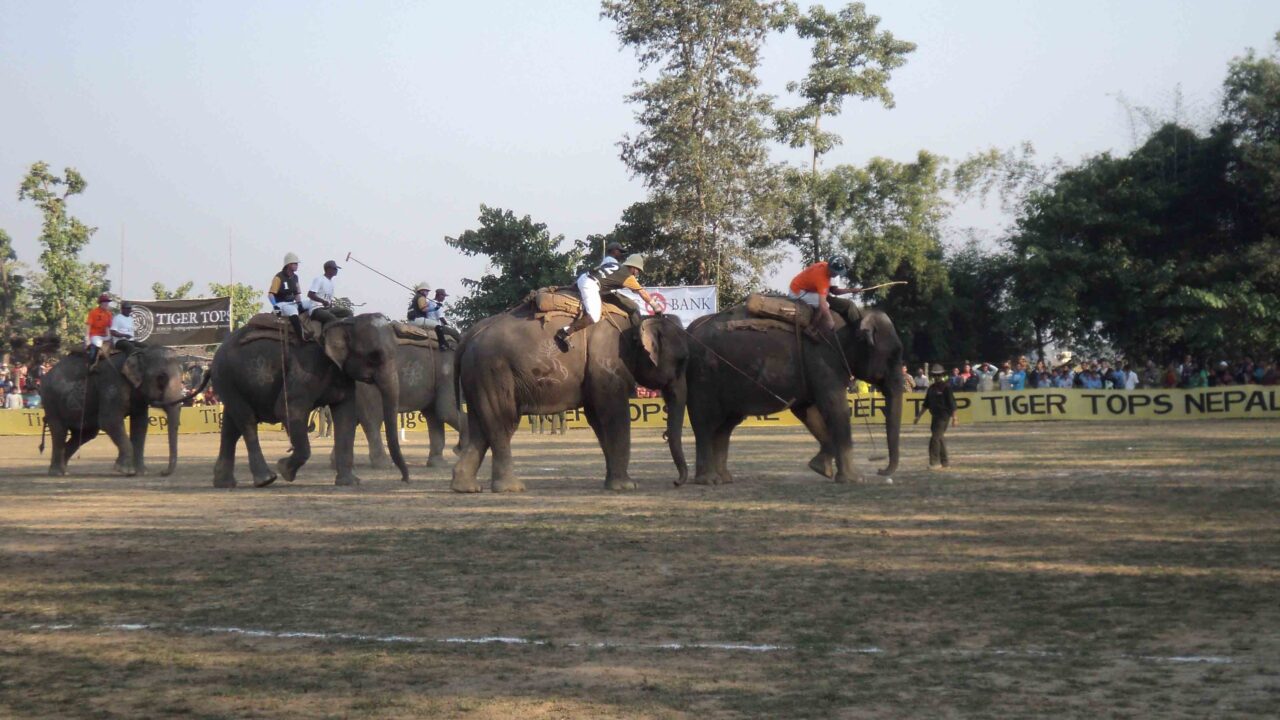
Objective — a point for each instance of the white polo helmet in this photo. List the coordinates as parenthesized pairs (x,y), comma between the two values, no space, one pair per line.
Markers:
(290,258)
(424,285)
(636,261)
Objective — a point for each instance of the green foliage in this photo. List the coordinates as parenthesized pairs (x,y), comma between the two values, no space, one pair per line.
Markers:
(68,288)
(12,290)
(851,58)
(702,146)
(245,300)
(522,256)
(179,293)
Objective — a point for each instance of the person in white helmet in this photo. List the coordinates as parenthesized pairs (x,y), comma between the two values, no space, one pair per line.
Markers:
(593,284)
(285,293)
(426,313)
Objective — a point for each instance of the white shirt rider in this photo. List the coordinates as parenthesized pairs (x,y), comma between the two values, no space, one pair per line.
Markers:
(122,327)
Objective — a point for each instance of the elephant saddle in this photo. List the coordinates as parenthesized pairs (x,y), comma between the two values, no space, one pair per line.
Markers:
(269,326)
(410,334)
(564,303)
(775,311)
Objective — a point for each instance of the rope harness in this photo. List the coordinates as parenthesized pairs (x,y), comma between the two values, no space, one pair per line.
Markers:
(284,374)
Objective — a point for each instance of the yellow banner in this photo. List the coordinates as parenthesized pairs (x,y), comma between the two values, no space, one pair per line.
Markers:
(1240,401)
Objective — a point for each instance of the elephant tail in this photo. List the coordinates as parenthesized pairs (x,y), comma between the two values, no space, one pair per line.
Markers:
(44,427)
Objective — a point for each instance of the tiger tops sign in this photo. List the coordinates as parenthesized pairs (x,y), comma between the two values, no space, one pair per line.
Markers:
(203,321)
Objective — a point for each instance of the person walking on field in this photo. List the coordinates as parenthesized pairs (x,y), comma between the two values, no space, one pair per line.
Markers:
(813,286)
(941,404)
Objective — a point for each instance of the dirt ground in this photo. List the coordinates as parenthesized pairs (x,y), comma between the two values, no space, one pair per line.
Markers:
(1060,570)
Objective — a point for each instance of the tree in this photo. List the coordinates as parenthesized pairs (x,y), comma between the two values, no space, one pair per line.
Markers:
(850,59)
(67,288)
(178,293)
(522,255)
(245,301)
(701,149)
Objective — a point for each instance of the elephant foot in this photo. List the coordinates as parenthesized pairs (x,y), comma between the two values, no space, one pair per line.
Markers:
(57,472)
(166,472)
(435,461)
(140,470)
(619,484)
(850,477)
(823,465)
(463,483)
(383,463)
(887,471)
(347,480)
(125,469)
(507,485)
(224,482)
(725,478)
(706,479)
(287,471)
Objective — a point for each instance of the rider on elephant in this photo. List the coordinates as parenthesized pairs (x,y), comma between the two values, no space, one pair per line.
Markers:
(606,278)
(321,296)
(813,286)
(99,328)
(122,329)
(429,314)
(285,293)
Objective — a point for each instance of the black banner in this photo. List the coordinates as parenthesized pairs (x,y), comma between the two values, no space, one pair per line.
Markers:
(203,321)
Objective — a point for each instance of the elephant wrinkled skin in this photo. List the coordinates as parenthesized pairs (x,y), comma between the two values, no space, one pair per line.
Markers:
(510,366)
(249,380)
(810,376)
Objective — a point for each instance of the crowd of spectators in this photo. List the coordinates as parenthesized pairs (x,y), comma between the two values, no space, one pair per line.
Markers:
(1100,374)
(20,385)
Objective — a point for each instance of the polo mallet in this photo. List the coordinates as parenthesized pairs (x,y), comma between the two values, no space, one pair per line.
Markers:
(352,258)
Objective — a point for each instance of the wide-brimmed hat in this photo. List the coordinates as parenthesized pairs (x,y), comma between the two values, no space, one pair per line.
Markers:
(636,261)
(936,369)
(290,258)
(424,285)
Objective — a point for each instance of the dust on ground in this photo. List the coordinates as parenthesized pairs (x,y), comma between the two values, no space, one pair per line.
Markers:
(1059,569)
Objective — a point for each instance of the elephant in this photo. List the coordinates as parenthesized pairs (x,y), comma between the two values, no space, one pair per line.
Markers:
(78,404)
(510,366)
(427,385)
(735,373)
(248,378)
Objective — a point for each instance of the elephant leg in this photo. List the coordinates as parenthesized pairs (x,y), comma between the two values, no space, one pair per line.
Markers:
(503,477)
(378,457)
(289,465)
(138,422)
(612,425)
(824,463)
(705,421)
(224,470)
(720,448)
(57,448)
(124,451)
(468,464)
(261,471)
(435,432)
(344,429)
(833,408)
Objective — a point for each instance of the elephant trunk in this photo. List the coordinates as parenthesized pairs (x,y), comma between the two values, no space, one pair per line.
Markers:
(676,395)
(172,414)
(893,391)
(388,383)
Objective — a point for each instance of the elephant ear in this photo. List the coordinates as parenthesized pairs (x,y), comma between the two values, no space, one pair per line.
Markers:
(867,330)
(649,339)
(337,342)
(132,369)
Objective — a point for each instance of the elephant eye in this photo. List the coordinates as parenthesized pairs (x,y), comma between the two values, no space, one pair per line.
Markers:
(375,357)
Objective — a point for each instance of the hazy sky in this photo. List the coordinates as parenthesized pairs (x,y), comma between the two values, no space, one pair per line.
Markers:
(377,128)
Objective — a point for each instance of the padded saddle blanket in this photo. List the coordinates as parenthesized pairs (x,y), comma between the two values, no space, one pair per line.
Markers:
(564,301)
(769,312)
(410,334)
(267,326)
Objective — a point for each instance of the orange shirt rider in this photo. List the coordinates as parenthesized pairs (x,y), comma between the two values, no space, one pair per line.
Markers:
(813,285)
(99,323)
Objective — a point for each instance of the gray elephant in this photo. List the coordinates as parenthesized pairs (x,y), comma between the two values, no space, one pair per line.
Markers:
(249,379)
(427,385)
(510,366)
(741,367)
(78,404)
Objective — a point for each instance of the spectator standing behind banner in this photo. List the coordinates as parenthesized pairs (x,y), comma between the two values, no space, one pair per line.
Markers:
(1130,377)
(986,373)
(922,379)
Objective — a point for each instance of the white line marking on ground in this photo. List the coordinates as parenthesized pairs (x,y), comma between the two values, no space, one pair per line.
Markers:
(604,645)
